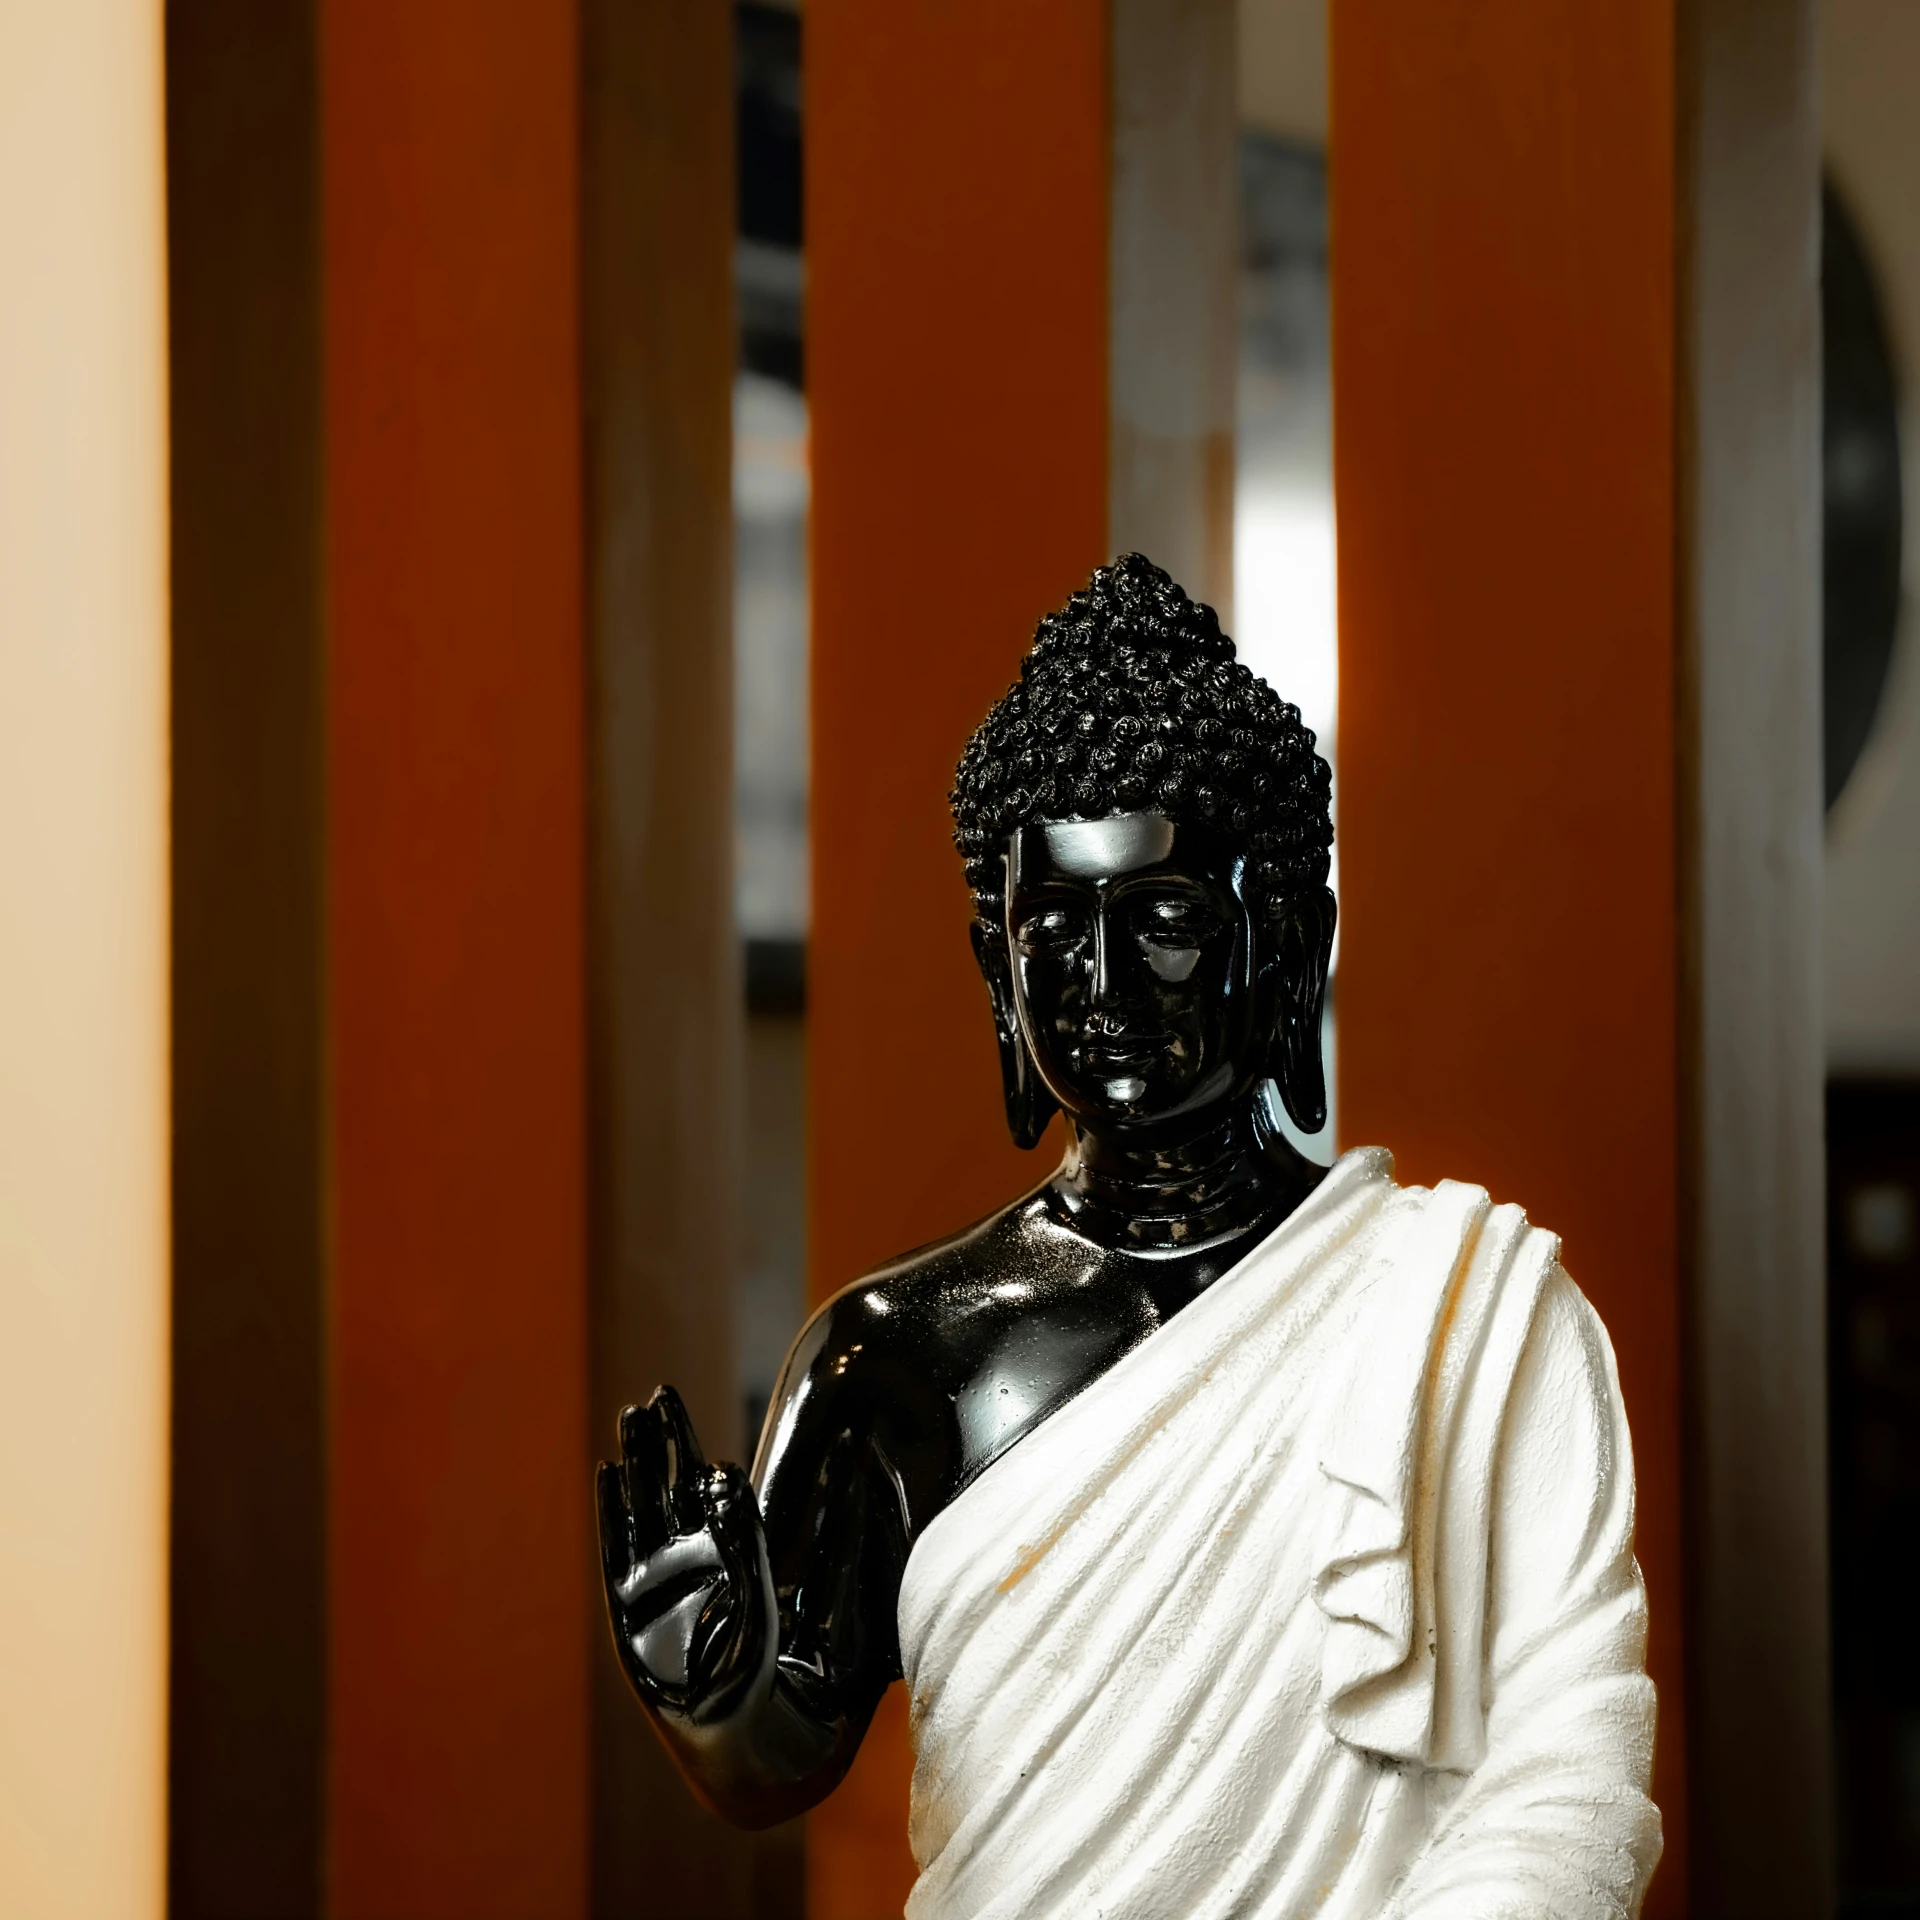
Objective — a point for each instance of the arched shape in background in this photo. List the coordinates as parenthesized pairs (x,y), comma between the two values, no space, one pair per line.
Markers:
(1861,492)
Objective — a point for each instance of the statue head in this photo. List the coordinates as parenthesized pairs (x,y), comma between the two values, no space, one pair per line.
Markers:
(1146,827)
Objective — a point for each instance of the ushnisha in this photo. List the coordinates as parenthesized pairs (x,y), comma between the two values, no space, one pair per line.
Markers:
(1255,1539)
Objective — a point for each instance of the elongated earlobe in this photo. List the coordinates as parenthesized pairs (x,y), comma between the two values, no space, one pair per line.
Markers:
(1029,1105)
(1304,929)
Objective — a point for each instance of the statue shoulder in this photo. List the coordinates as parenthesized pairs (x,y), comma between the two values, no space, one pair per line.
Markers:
(899,1310)
(926,1277)
(887,1354)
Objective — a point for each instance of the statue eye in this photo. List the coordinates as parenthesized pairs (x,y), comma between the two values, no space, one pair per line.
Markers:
(1176,923)
(1050,930)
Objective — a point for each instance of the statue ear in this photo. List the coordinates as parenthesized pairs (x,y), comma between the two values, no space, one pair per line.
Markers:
(1029,1105)
(1302,929)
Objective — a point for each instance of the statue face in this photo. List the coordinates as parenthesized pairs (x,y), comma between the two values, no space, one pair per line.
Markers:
(1131,966)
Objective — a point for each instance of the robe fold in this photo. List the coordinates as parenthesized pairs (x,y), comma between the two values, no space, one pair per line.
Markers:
(1321,1601)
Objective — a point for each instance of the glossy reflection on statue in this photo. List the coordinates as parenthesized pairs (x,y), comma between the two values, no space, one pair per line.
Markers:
(1252,1538)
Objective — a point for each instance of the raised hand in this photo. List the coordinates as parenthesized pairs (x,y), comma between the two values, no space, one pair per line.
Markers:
(689,1590)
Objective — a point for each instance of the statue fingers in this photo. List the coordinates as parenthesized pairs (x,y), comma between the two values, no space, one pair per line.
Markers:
(684,1462)
(737,1628)
(619,1541)
(733,1520)
(643,1473)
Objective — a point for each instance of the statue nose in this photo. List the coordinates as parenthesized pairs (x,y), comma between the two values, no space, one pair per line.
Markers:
(1103,981)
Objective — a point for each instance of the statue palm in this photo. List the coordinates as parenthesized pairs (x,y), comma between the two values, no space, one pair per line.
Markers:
(688,1584)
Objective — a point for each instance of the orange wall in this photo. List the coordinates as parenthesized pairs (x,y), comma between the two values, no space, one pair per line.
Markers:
(1503,239)
(956,342)
(457,1694)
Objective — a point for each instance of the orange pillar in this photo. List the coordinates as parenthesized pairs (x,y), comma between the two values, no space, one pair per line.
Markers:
(957,192)
(459,1611)
(1504,434)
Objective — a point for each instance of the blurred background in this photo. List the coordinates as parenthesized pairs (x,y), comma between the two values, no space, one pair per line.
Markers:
(507,515)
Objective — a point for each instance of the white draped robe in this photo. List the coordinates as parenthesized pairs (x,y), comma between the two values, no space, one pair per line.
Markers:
(1321,1601)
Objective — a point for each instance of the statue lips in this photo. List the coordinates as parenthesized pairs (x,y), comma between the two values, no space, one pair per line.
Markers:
(1122,1061)
(1123,1052)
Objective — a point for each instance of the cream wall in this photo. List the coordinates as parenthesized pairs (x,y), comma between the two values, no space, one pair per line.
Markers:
(1870,53)
(83,992)
(1283,68)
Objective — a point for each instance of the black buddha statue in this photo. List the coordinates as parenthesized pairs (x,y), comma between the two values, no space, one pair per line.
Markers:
(1145,828)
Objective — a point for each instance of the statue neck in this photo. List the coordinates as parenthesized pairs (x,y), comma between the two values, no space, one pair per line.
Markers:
(1180,1191)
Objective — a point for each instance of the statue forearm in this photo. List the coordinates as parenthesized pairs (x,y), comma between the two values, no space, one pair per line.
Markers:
(777,1752)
